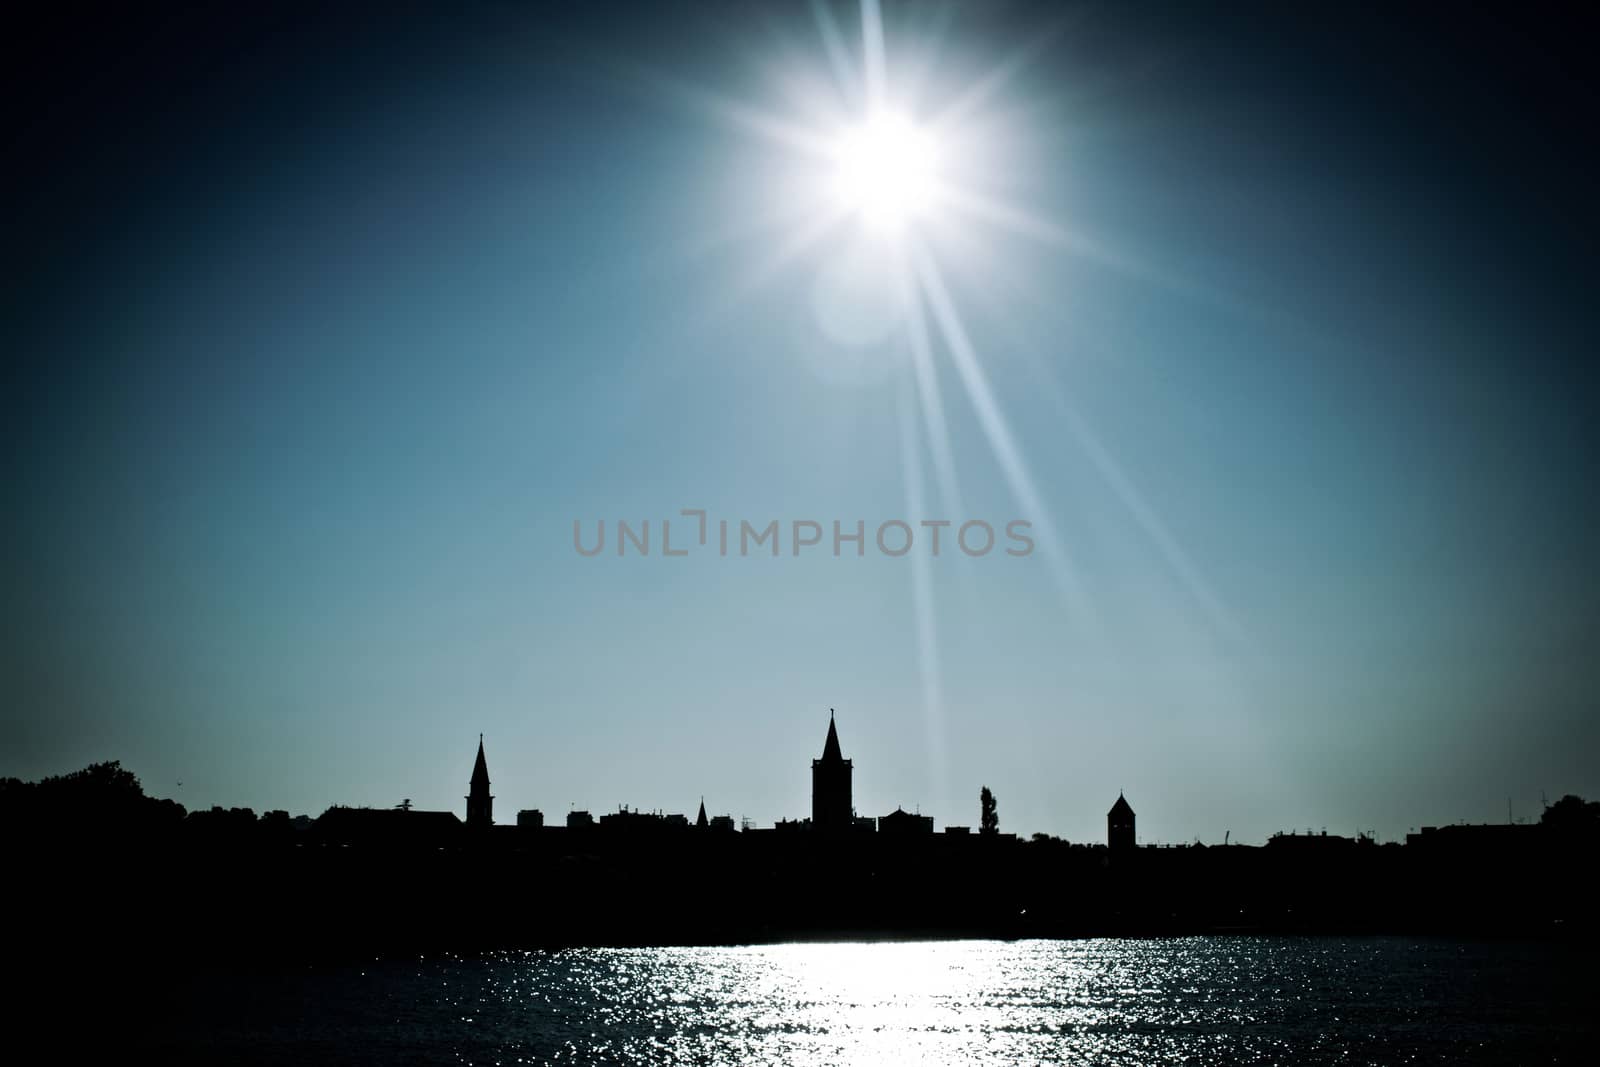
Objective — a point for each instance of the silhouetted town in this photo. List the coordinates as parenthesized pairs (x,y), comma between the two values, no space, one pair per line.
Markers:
(400,879)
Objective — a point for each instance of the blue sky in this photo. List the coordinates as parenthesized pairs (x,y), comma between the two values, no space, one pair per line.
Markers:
(326,342)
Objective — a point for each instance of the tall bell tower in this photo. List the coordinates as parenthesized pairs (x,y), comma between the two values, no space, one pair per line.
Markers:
(1119,826)
(830,785)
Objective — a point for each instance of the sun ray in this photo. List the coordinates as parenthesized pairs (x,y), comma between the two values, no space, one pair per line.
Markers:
(1127,492)
(931,402)
(1025,224)
(872,54)
(817,226)
(1001,440)
(1123,487)
(734,114)
(844,72)
(1145,515)
(923,607)
(915,77)
(807,92)
(1000,75)
(784,218)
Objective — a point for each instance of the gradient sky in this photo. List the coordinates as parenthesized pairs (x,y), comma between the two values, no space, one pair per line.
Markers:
(320,333)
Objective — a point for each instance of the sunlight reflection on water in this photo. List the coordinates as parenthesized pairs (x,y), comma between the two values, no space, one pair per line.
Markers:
(1201,1000)
(1198,1000)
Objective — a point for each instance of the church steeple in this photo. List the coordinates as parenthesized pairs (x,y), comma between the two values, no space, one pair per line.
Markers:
(830,747)
(480,805)
(830,785)
(702,822)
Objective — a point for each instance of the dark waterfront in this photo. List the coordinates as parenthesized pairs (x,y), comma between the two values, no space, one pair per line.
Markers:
(1220,999)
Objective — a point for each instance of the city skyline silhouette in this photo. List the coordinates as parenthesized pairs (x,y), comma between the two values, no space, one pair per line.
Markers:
(587,880)
(833,814)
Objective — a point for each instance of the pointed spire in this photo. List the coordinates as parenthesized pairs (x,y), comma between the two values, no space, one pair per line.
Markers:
(702,821)
(830,748)
(480,769)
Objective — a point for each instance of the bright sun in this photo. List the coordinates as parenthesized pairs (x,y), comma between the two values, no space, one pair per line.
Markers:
(885,170)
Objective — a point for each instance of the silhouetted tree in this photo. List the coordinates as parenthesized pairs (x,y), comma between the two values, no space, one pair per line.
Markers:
(103,799)
(97,784)
(1572,813)
(989,816)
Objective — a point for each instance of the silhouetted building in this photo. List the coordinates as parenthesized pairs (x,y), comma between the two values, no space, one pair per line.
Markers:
(480,805)
(1308,843)
(831,809)
(900,821)
(530,819)
(1119,825)
(958,829)
(1487,841)
(579,820)
(632,820)
(700,821)
(387,826)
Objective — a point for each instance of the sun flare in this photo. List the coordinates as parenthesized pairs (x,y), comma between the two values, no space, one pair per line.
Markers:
(885,169)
